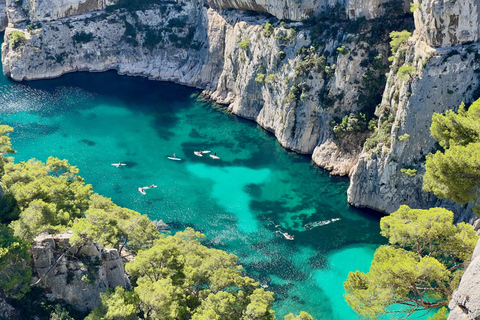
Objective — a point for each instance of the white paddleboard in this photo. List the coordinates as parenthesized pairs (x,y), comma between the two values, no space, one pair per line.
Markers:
(149,187)
(198,153)
(118,164)
(172,158)
(142,191)
(206,151)
(214,157)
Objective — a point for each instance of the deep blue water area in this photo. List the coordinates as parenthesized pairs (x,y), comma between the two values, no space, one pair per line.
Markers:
(242,202)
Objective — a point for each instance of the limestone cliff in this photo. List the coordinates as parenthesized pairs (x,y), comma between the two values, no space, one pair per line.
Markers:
(293,79)
(438,79)
(465,303)
(76,276)
(300,10)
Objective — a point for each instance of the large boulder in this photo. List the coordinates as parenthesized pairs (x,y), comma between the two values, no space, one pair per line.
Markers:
(76,275)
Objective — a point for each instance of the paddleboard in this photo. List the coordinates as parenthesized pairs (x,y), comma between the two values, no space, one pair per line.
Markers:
(141,190)
(214,157)
(172,158)
(118,164)
(287,236)
(206,151)
(149,187)
(198,153)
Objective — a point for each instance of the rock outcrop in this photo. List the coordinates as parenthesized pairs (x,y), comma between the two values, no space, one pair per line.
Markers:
(465,303)
(441,80)
(447,23)
(47,10)
(301,10)
(76,277)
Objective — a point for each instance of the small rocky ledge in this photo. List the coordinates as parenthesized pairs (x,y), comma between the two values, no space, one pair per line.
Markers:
(76,275)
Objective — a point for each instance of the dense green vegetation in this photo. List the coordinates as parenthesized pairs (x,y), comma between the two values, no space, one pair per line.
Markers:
(418,269)
(16,39)
(179,278)
(173,277)
(455,172)
(427,253)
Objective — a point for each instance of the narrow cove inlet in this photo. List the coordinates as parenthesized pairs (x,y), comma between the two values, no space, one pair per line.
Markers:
(243,202)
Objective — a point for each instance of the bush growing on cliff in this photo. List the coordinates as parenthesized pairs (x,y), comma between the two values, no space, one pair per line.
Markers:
(82,37)
(405,73)
(245,44)
(399,38)
(455,173)
(342,50)
(5,147)
(260,77)
(351,123)
(268,29)
(16,39)
(418,269)
(411,172)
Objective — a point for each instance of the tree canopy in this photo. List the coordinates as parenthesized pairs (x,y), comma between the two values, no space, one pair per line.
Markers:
(46,199)
(113,226)
(455,173)
(179,278)
(418,269)
(5,146)
(15,273)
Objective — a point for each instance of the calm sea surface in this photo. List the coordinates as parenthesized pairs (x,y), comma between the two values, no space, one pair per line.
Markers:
(242,202)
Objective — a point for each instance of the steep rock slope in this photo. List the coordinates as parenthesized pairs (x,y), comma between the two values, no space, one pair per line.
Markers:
(300,10)
(438,79)
(294,80)
(76,275)
(465,303)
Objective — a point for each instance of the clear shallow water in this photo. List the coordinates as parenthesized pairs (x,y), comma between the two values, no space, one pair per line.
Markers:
(240,202)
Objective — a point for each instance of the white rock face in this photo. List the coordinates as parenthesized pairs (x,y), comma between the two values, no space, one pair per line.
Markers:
(465,303)
(443,79)
(3,15)
(76,277)
(443,23)
(47,10)
(299,10)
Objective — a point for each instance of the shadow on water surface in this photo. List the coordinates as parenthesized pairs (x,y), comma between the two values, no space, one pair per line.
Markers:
(162,100)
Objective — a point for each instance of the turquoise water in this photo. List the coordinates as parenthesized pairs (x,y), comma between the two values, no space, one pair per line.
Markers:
(241,202)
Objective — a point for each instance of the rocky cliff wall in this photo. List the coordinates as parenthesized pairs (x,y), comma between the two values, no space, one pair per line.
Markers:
(77,277)
(47,10)
(301,10)
(447,23)
(465,303)
(440,80)
(292,79)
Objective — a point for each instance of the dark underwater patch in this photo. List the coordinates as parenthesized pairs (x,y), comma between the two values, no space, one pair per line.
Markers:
(280,267)
(88,142)
(253,190)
